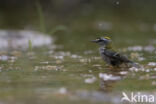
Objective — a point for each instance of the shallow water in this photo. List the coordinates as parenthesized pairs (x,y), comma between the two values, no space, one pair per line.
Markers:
(71,70)
(20,39)
(50,74)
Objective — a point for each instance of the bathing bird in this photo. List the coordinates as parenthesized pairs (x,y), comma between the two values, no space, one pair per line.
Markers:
(110,56)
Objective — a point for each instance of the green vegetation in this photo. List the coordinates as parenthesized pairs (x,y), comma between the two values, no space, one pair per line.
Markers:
(41,17)
(30,46)
(43,27)
(38,78)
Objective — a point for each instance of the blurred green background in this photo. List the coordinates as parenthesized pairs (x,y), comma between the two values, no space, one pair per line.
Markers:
(83,20)
(73,23)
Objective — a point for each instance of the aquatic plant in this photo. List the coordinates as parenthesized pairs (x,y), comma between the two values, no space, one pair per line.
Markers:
(43,22)
(30,45)
(41,17)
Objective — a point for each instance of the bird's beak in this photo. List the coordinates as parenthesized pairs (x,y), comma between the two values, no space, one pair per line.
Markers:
(95,41)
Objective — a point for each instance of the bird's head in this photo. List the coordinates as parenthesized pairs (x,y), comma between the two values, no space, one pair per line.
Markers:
(103,41)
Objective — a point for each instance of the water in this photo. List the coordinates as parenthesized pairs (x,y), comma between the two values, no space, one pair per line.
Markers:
(53,75)
(70,70)
(15,39)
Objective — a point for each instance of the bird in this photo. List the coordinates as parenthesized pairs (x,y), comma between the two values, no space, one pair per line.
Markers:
(110,56)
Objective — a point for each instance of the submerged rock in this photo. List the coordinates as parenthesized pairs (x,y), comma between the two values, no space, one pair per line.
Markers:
(90,80)
(107,77)
(19,39)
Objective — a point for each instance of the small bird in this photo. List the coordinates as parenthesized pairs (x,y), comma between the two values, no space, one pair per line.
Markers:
(110,56)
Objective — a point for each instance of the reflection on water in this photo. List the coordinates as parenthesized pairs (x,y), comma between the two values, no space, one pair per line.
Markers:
(71,70)
(65,75)
(62,75)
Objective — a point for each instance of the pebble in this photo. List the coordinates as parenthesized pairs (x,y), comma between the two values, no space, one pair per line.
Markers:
(123,72)
(154,83)
(62,90)
(4,58)
(135,48)
(148,48)
(90,80)
(107,77)
(152,63)
(75,56)
(85,60)
(134,69)
(48,67)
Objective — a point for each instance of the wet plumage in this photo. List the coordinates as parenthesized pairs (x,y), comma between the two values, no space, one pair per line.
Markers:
(110,56)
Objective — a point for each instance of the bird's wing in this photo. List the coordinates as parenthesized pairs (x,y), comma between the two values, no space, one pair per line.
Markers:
(115,55)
